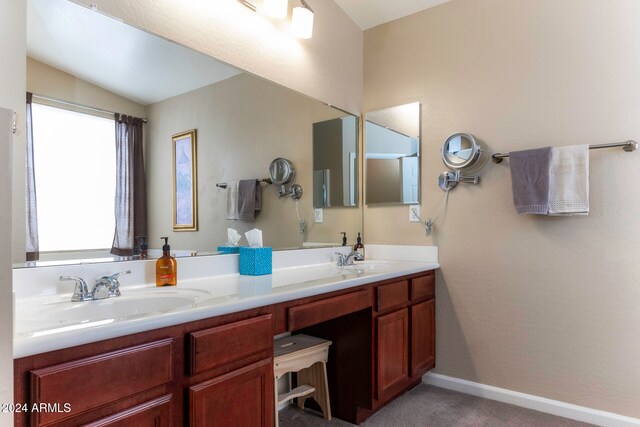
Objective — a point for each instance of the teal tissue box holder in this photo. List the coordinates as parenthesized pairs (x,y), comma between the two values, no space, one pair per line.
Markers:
(255,261)
(229,249)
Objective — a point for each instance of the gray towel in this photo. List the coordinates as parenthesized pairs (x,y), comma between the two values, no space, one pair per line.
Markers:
(249,199)
(530,180)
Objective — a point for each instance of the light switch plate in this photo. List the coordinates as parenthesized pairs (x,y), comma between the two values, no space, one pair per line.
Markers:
(414,213)
(319,215)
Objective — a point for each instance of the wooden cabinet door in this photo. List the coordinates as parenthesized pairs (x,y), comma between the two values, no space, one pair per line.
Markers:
(241,398)
(392,366)
(423,337)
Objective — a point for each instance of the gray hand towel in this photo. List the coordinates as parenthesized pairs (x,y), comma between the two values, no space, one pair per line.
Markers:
(249,199)
(530,180)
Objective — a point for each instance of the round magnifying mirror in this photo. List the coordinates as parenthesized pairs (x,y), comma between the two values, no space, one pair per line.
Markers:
(461,151)
(281,171)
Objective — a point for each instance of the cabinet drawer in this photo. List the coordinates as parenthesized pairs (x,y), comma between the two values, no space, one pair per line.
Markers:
(423,287)
(89,383)
(156,413)
(214,347)
(331,308)
(392,295)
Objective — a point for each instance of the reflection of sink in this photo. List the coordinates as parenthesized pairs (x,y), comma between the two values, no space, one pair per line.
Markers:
(373,267)
(134,304)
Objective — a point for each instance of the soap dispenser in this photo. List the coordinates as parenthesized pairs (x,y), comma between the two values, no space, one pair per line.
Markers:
(166,267)
(344,238)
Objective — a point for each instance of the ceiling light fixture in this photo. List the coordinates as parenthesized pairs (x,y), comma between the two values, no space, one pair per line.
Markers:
(302,21)
(275,8)
(301,16)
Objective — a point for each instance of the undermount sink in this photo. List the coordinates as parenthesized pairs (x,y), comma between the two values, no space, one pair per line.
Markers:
(130,305)
(371,267)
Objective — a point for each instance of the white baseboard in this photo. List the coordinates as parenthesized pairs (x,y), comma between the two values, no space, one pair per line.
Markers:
(549,406)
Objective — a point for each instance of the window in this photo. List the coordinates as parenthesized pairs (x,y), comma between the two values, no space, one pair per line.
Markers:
(75,173)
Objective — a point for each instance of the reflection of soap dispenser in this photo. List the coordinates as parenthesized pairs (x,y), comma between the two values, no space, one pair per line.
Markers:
(344,238)
(166,267)
(359,247)
(143,246)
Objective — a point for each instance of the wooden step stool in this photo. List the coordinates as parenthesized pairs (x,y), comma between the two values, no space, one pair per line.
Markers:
(308,357)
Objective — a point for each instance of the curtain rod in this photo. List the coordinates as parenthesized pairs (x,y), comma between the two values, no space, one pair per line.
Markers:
(75,104)
(626,146)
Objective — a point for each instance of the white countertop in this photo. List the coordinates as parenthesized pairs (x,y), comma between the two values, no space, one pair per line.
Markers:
(51,322)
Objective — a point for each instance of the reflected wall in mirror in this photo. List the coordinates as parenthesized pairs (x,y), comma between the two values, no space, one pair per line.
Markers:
(335,163)
(83,58)
(392,155)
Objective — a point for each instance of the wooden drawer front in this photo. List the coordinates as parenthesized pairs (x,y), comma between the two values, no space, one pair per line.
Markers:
(392,295)
(423,287)
(89,383)
(241,398)
(331,308)
(155,413)
(214,347)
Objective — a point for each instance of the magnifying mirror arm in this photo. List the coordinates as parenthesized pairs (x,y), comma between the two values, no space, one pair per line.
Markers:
(448,180)
(295,191)
(468,179)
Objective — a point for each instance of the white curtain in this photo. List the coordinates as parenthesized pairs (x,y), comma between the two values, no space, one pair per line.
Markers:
(33,246)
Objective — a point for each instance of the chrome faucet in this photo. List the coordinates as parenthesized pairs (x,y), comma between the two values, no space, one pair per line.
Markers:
(348,259)
(81,292)
(105,287)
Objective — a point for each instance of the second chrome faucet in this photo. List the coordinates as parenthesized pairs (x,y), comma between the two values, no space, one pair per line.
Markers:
(348,259)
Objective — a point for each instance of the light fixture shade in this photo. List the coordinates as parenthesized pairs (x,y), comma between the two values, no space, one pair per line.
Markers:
(275,8)
(302,22)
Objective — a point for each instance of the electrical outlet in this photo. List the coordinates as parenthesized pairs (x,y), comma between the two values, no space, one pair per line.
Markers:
(414,213)
(319,215)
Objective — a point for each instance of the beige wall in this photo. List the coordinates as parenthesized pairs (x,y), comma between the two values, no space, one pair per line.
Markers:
(327,67)
(12,96)
(243,123)
(547,306)
(43,79)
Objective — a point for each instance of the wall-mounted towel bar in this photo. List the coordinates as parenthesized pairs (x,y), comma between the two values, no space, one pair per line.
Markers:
(223,185)
(626,146)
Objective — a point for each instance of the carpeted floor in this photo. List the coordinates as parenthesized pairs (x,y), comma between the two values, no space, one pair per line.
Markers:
(429,406)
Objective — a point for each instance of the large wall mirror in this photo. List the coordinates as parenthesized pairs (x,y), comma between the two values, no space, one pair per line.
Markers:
(392,155)
(81,58)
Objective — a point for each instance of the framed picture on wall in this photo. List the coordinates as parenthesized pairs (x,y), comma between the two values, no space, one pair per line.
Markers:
(185,181)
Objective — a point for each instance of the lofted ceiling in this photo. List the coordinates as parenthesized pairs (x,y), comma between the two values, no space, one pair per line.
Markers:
(371,13)
(115,56)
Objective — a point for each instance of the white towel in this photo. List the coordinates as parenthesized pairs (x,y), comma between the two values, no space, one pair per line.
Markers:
(232,200)
(569,180)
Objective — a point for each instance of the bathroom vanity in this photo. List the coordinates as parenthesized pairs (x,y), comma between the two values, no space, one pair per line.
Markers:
(218,370)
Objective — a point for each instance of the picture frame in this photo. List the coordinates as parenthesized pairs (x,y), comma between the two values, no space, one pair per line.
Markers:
(185,181)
